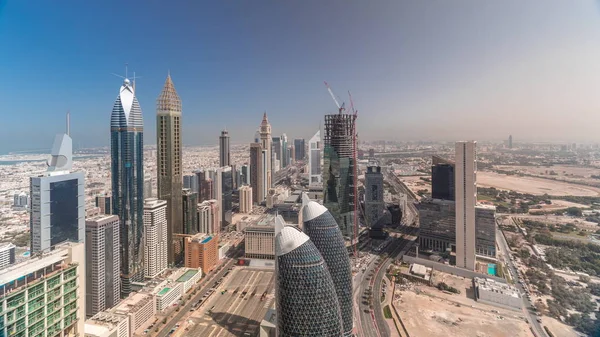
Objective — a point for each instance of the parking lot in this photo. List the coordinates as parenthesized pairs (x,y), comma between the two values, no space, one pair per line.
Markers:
(236,306)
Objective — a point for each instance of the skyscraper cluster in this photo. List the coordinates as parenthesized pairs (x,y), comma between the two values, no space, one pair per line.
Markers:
(314,276)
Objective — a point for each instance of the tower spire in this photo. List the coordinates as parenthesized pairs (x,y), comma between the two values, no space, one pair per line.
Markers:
(68,123)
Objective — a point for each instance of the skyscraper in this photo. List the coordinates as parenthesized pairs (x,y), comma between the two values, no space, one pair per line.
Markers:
(339,171)
(57,200)
(205,185)
(265,139)
(224,155)
(276,151)
(245,199)
(314,159)
(103,285)
(104,202)
(224,188)
(307,303)
(284,151)
(299,148)
(127,175)
(191,182)
(190,212)
(156,238)
(208,212)
(374,204)
(323,231)
(442,179)
(466,199)
(168,145)
(256,172)
(510,142)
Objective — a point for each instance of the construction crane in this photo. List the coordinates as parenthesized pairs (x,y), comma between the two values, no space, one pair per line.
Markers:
(341,107)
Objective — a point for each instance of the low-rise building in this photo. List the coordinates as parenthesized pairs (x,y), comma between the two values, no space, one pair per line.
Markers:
(495,293)
(167,294)
(188,277)
(106,324)
(259,241)
(140,308)
(7,254)
(201,251)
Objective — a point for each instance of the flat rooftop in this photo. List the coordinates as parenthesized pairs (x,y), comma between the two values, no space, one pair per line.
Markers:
(187,275)
(206,239)
(163,291)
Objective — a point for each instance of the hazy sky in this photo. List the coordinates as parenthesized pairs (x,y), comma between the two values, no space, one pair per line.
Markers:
(417,69)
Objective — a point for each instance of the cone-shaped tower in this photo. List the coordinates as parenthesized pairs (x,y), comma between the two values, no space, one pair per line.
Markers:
(169,179)
(324,232)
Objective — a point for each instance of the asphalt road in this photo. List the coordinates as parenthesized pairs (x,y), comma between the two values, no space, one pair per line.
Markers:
(538,330)
(186,308)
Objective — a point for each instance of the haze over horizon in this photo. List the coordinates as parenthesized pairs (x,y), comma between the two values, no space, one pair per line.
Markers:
(417,70)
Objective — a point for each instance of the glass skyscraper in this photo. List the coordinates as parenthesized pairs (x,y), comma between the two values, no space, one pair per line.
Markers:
(307,304)
(127,160)
(323,231)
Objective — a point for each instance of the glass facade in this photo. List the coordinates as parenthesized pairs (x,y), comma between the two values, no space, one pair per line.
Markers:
(190,214)
(326,236)
(307,304)
(442,181)
(127,172)
(438,225)
(64,211)
(485,228)
(227,181)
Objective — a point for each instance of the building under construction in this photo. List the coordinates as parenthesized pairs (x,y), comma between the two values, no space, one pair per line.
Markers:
(339,171)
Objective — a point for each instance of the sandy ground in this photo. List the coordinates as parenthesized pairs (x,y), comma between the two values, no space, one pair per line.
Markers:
(536,186)
(425,316)
(558,328)
(560,170)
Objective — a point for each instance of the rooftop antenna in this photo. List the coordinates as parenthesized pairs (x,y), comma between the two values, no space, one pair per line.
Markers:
(68,123)
(126,65)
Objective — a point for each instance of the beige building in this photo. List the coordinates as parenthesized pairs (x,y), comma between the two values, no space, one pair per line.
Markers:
(155,237)
(106,324)
(208,219)
(466,198)
(202,251)
(140,308)
(256,173)
(259,241)
(245,199)
(266,141)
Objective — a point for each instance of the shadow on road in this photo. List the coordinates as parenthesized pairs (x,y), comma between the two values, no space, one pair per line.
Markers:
(235,324)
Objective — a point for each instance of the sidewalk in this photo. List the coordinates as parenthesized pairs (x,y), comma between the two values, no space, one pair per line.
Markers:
(389,296)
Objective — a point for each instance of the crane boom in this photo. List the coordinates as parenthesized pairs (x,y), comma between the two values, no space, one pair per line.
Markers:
(340,107)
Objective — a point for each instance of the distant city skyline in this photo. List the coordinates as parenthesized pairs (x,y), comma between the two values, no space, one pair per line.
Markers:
(426,70)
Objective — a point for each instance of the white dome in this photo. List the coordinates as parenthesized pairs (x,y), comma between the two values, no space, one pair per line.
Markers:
(311,209)
(289,239)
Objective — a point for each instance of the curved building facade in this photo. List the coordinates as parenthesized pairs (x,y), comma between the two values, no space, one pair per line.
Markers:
(127,168)
(307,304)
(323,231)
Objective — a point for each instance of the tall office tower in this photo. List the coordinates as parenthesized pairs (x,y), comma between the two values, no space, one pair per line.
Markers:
(292,153)
(265,173)
(208,218)
(237,176)
(466,199)
(265,141)
(374,204)
(155,233)
(190,212)
(104,202)
(57,200)
(45,294)
(202,251)
(485,230)
(127,175)
(306,300)
(442,178)
(314,159)
(205,185)
(299,149)
(323,231)
(7,255)
(224,188)
(191,182)
(168,145)
(245,169)
(437,219)
(102,260)
(276,151)
(148,188)
(245,199)
(339,171)
(256,173)
(21,200)
(284,151)
(224,155)
(510,142)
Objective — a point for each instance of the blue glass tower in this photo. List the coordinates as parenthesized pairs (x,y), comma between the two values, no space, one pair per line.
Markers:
(307,304)
(324,232)
(127,160)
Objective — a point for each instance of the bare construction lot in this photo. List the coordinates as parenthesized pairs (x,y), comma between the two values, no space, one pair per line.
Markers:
(535,186)
(237,306)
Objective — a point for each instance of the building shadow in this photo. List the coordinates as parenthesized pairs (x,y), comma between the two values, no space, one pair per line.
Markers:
(470,292)
(237,325)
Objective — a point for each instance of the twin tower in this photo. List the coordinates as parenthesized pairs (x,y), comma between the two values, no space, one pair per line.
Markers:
(314,276)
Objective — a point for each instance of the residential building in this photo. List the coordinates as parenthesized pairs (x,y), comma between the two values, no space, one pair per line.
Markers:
(7,254)
(21,200)
(205,185)
(245,199)
(466,199)
(45,295)
(201,251)
(141,310)
(102,256)
(168,153)
(442,179)
(303,308)
(148,188)
(324,232)
(224,154)
(256,173)
(374,203)
(104,202)
(106,324)
(339,172)
(190,212)
(191,182)
(314,159)
(245,173)
(156,238)
(57,200)
(127,179)
(495,293)
(208,217)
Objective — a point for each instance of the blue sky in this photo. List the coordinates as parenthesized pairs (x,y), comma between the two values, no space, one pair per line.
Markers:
(442,70)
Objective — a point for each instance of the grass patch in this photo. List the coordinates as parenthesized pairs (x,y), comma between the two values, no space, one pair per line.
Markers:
(387,313)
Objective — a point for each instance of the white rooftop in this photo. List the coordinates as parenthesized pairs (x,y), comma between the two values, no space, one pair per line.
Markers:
(289,239)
